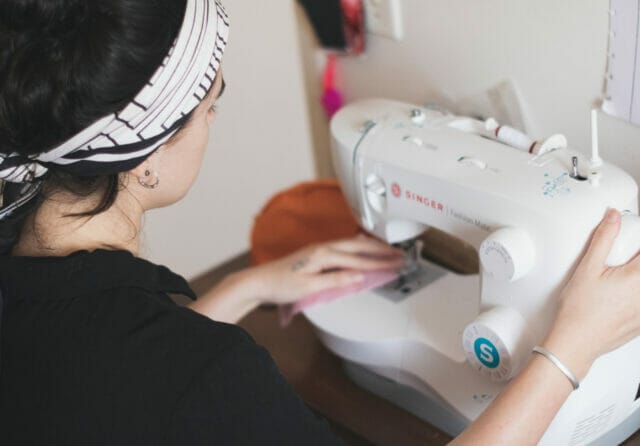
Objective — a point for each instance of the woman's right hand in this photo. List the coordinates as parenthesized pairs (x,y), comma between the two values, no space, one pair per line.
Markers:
(600,307)
(600,311)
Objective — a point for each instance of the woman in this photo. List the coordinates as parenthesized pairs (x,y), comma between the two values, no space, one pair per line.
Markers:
(104,114)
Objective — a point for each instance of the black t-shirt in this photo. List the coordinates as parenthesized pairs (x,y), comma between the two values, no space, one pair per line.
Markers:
(94,352)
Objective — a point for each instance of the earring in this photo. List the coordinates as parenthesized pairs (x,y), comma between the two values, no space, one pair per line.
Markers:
(147,174)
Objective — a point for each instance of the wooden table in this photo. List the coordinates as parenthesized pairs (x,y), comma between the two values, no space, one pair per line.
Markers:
(317,375)
(359,417)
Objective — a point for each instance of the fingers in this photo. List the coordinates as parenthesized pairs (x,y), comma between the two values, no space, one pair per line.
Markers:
(328,259)
(338,279)
(602,241)
(358,253)
(634,264)
(366,246)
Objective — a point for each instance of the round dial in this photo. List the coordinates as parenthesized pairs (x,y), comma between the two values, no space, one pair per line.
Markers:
(495,343)
(507,254)
(627,243)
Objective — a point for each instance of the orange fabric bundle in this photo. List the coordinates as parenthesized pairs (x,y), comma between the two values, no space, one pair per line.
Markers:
(307,213)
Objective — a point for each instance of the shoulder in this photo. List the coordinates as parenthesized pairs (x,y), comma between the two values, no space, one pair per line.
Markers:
(234,393)
(139,310)
(240,397)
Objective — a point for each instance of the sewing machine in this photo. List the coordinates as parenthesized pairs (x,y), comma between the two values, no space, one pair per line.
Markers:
(443,345)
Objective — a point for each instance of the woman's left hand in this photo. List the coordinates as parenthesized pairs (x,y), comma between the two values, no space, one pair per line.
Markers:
(324,266)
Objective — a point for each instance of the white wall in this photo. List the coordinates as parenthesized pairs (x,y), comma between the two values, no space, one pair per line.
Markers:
(555,51)
(259,144)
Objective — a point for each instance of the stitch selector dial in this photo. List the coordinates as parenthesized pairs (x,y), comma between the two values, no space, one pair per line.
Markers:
(495,343)
(507,254)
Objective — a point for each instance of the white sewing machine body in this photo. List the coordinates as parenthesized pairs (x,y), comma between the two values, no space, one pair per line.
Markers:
(456,339)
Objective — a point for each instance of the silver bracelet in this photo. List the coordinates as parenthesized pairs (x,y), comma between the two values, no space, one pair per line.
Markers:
(551,357)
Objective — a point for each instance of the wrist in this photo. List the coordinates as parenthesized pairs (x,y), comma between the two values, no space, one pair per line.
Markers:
(230,300)
(571,350)
(247,286)
(264,282)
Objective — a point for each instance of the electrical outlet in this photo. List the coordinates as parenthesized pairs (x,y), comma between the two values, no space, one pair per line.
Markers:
(384,18)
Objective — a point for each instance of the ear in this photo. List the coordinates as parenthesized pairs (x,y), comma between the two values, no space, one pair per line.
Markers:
(140,171)
(143,170)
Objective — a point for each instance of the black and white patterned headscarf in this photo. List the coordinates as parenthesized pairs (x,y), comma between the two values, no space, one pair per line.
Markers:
(121,141)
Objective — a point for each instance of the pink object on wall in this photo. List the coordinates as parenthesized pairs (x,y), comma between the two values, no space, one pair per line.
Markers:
(331,97)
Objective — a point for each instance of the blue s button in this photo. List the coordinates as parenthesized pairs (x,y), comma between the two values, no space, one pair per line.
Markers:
(487,353)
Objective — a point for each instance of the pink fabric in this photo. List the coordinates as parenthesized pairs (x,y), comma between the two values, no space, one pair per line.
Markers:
(373,279)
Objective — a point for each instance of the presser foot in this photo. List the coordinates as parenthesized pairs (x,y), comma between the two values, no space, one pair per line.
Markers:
(410,281)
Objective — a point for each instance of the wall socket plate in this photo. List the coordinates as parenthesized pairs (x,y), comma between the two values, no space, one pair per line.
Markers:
(384,18)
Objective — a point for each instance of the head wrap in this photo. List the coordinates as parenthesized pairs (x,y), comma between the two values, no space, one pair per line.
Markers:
(122,140)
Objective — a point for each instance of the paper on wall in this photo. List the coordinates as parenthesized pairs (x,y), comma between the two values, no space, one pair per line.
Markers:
(622,97)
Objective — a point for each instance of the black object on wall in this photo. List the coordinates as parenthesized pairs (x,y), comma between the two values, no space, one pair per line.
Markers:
(326,18)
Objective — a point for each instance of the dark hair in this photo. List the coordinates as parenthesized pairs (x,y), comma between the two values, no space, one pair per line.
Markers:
(66,63)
